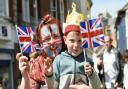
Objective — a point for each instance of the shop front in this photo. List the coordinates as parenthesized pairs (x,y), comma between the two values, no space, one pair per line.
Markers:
(6,69)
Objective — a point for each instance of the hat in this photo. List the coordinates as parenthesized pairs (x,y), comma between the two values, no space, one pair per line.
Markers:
(73,21)
(69,28)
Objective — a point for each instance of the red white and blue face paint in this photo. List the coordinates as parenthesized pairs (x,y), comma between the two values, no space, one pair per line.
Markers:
(51,41)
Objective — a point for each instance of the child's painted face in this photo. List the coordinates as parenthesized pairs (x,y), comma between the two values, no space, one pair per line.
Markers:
(51,40)
(73,43)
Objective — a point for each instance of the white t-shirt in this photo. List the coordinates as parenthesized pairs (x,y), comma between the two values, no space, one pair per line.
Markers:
(125,76)
(111,67)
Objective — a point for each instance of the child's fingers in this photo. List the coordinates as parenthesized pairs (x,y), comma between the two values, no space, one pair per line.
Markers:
(73,87)
(23,59)
(48,66)
(18,56)
(23,63)
(87,66)
(23,66)
(88,69)
(48,62)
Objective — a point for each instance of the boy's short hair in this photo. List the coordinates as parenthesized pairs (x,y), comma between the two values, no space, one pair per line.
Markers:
(107,38)
(70,28)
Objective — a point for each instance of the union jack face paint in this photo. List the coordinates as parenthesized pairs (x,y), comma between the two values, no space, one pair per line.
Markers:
(51,41)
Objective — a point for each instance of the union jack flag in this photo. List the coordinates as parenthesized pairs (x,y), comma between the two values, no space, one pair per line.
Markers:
(91,33)
(25,37)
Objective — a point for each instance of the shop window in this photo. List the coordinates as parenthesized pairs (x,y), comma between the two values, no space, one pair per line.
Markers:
(4,74)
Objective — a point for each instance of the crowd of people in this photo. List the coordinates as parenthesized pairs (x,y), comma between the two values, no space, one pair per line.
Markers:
(62,63)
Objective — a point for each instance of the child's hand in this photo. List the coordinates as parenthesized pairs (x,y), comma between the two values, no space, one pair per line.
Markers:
(83,86)
(23,64)
(48,67)
(88,69)
(18,55)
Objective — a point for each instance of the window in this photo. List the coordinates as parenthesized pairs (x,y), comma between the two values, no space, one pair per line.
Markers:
(4,31)
(54,8)
(4,8)
(26,13)
(35,5)
(62,10)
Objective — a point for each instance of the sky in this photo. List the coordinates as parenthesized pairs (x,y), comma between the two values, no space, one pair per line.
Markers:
(102,6)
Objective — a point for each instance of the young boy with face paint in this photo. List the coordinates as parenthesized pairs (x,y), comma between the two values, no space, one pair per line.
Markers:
(70,67)
(48,36)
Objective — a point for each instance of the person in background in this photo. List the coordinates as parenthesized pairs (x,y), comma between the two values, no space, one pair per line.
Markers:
(110,64)
(125,57)
(98,62)
(49,37)
(98,56)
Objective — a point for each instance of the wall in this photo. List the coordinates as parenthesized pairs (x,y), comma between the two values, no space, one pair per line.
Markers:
(121,35)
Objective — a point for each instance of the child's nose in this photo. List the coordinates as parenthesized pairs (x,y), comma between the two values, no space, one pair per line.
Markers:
(53,41)
(76,44)
(52,44)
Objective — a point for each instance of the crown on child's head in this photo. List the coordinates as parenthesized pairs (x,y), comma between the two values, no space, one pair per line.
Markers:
(73,20)
(74,17)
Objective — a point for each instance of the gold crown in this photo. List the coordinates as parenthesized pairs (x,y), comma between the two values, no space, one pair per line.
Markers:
(74,17)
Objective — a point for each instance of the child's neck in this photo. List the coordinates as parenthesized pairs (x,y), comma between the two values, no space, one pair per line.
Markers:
(73,55)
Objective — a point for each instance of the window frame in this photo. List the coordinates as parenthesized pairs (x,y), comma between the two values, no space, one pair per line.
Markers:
(26,10)
(54,8)
(4,8)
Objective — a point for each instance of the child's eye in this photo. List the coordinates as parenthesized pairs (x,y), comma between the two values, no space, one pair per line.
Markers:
(72,41)
(56,36)
(79,41)
(46,39)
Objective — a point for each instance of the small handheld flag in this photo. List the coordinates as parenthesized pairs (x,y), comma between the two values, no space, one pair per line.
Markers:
(25,37)
(91,33)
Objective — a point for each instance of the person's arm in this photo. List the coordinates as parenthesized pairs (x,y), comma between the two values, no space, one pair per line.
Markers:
(51,72)
(95,81)
(93,76)
(25,82)
(24,69)
(119,80)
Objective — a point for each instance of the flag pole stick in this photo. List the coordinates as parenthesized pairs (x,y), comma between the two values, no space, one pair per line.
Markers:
(85,56)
